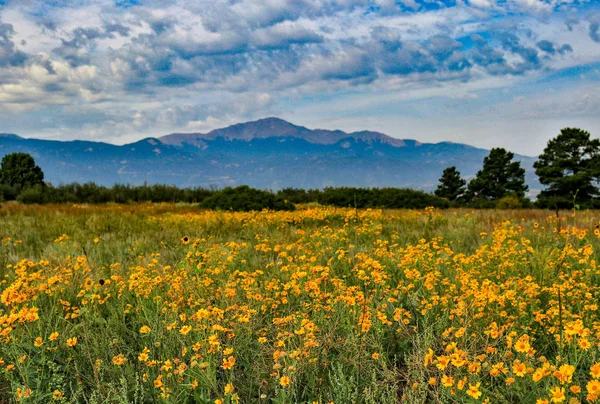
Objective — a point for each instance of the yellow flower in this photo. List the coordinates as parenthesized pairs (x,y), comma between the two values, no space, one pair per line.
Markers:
(119,360)
(185,330)
(522,345)
(284,381)
(38,342)
(53,336)
(229,389)
(228,363)
(158,383)
(228,351)
(71,342)
(447,381)
(144,329)
(375,356)
(593,387)
(262,340)
(519,368)
(557,394)
(473,391)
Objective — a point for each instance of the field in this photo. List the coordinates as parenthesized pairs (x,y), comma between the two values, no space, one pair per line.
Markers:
(165,303)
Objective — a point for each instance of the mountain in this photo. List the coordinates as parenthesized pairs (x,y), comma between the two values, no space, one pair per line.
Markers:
(269,153)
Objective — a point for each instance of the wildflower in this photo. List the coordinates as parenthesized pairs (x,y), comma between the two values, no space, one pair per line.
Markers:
(228,363)
(447,381)
(185,330)
(473,391)
(144,329)
(557,394)
(119,360)
(158,383)
(71,342)
(522,345)
(593,387)
(595,371)
(519,368)
(284,381)
(375,356)
(229,389)
(38,342)
(53,336)
(185,240)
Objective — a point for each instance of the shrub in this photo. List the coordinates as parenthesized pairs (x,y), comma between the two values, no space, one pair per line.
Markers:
(245,199)
(32,195)
(509,202)
(8,193)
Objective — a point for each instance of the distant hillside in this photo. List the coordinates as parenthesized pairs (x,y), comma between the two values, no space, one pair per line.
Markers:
(269,153)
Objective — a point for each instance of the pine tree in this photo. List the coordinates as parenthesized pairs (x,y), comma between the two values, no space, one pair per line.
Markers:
(500,176)
(570,168)
(451,184)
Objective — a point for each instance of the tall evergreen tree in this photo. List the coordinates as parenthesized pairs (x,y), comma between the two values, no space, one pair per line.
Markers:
(451,185)
(500,176)
(570,168)
(18,170)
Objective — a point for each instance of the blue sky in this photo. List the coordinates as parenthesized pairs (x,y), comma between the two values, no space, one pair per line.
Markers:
(489,73)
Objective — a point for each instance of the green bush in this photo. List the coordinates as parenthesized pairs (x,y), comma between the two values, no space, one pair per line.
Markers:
(32,195)
(8,193)
(245,199)
(390,198)
(509,202)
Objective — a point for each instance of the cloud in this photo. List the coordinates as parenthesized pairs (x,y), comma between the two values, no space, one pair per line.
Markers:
(595,31)
(140,65)
(9,54)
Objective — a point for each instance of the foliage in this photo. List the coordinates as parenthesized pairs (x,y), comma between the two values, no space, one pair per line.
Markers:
(245,199)
(32,195)
(510,202)
(570,168)
(19,170)
(451,184)
(498,177)
(391,198)
(160,303)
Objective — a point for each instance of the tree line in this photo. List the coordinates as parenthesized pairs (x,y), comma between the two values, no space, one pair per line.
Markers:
(569,167)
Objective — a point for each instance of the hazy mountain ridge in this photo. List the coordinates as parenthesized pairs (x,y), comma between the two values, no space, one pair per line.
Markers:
(269,153)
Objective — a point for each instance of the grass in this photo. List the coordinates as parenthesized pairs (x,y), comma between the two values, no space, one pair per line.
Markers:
(169,303)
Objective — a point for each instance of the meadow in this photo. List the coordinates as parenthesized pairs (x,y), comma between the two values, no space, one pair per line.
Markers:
(163,303)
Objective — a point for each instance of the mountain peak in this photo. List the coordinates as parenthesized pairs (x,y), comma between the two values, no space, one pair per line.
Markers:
(273,127)
(9,136)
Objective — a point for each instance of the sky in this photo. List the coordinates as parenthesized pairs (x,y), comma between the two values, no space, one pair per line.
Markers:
(490,73)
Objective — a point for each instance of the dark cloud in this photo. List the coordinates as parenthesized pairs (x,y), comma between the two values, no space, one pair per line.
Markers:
(9,54)
(76,49)
(595,31)
(552,48)
(530,57)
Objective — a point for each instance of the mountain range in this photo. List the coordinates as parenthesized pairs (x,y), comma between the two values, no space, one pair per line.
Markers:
(269,153)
